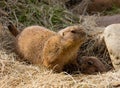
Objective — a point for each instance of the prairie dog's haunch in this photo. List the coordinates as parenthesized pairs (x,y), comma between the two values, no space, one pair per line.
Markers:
(53,50)
(30,43)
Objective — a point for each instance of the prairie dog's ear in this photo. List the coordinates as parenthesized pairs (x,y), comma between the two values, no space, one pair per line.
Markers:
(61,33)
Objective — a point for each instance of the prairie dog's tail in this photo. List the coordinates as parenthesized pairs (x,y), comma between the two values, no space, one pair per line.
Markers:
(13,29)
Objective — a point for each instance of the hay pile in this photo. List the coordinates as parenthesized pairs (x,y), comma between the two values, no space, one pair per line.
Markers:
(15,74)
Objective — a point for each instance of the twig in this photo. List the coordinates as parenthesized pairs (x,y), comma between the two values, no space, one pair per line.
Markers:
(3,12)
(15,18)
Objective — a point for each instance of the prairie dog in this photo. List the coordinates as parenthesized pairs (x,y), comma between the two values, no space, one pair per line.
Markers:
(91,65)
(53,50)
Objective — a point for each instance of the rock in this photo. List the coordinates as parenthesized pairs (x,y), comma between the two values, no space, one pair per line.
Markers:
(92,6)
(112,40)
(99,5)
(108,20)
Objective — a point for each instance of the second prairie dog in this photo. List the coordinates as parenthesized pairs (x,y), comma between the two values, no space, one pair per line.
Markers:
(91,65)
(41,46)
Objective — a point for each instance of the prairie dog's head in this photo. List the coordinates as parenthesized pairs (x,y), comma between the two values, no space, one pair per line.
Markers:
(90,65)
(75,33)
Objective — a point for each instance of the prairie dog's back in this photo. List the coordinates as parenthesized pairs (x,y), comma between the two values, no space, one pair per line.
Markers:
(31,40)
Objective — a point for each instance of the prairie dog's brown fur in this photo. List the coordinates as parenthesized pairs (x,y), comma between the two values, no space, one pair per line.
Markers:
(90,65)
(63,47)
(53,50)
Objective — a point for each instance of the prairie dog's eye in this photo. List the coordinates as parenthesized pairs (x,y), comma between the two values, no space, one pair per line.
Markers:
(73,31)
(90,63)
